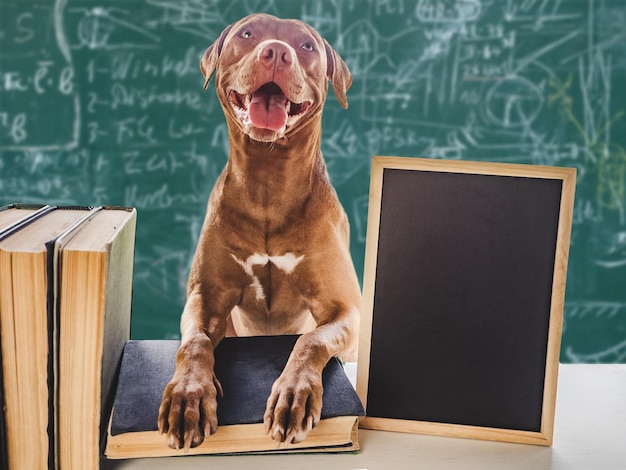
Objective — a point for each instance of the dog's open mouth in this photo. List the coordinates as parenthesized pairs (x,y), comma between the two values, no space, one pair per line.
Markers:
(267,108)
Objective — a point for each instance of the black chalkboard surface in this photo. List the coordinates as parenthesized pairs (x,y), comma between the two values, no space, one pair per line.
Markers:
(463,294)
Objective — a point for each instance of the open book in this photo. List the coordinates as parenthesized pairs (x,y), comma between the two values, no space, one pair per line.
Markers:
(246,367)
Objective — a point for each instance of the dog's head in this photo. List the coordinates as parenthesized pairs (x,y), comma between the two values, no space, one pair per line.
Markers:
(272,75)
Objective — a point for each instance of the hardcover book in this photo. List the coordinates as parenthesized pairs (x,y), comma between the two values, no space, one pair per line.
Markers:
(246,367)
(12,217)
(95,271)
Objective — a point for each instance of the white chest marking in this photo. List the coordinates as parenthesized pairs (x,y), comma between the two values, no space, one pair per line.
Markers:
(286,263)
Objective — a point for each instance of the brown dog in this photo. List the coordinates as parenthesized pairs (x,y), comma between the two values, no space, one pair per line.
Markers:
(273,254)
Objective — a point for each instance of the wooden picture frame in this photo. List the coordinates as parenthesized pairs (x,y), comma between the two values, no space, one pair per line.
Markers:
(463,295)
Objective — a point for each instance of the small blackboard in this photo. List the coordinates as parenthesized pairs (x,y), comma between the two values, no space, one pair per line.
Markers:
(463,293)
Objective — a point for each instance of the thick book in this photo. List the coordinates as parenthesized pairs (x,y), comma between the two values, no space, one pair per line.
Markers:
(12,216)
(94,275)
(246,367)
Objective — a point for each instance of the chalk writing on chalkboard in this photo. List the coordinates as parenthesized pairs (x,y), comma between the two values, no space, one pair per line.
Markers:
(101,103)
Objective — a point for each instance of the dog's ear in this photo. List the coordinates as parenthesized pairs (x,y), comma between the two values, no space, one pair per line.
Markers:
(338,74)
(209,59)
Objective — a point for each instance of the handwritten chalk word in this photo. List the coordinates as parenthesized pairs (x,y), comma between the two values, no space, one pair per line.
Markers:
(131,96)
(164,197)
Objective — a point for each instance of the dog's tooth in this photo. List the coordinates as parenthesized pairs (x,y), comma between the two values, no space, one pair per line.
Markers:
(247,100)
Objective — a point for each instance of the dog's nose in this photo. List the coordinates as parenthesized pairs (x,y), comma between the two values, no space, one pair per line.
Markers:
(276,55)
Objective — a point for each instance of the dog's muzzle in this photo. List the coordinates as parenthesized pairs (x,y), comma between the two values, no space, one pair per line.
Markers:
(267,108)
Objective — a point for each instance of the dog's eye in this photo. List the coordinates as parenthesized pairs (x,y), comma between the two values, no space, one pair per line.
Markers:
(246,34)
(308,46)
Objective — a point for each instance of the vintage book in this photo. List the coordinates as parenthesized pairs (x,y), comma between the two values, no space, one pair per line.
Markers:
(246,367)
(13,215)
(95,269)
(26,350)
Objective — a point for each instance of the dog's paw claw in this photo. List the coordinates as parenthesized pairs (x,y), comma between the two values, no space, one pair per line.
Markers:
(188,412)
(294,407)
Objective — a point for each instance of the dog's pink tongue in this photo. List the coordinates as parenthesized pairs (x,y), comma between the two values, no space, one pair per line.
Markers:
(267,110)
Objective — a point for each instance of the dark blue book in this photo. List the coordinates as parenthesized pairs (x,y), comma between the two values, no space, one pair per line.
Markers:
(246,367)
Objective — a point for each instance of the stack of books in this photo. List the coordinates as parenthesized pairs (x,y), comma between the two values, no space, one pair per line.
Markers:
(65,310)
(65,302)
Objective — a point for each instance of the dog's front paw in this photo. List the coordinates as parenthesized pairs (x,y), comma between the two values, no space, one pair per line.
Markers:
(188,412)
(294,406)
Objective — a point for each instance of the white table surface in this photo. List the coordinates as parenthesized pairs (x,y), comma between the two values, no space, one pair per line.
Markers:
(589,433)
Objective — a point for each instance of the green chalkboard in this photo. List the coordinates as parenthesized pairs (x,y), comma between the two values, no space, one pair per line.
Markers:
(102,103)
